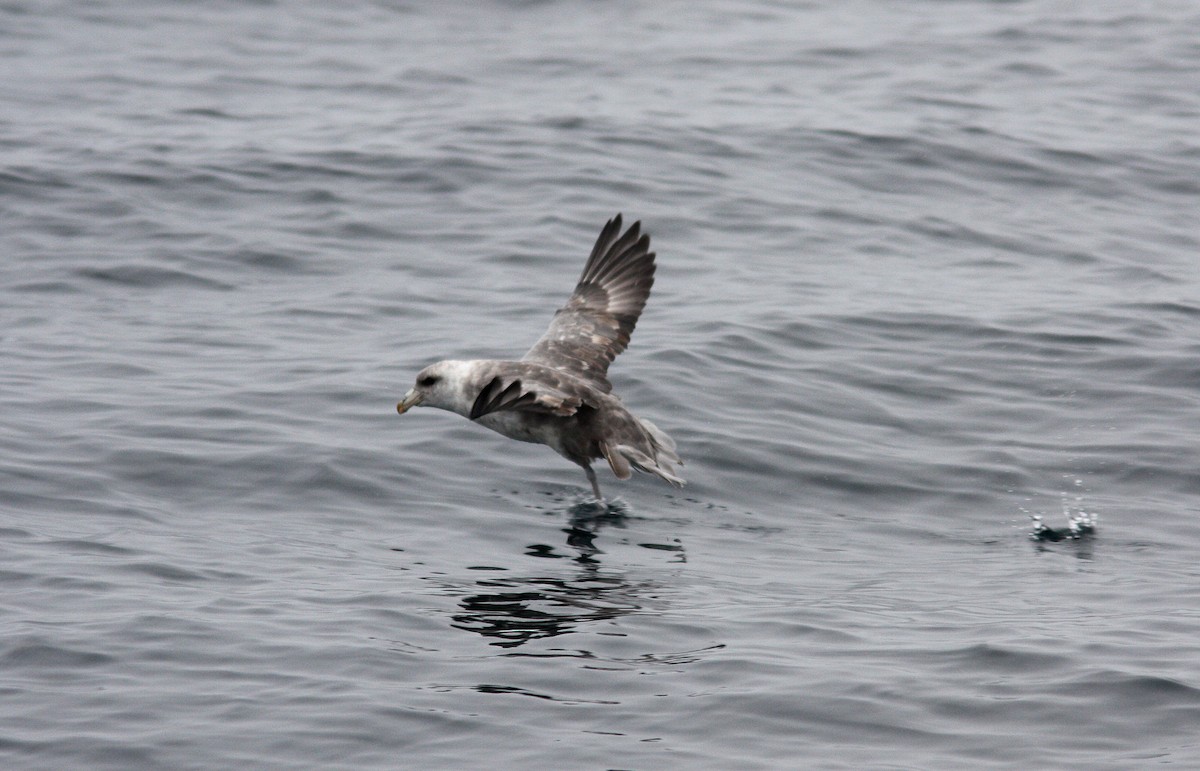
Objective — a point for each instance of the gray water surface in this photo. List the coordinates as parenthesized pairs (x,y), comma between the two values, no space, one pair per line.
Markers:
(926,271)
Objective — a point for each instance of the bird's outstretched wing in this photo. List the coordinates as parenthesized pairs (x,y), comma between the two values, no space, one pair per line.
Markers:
(594,326)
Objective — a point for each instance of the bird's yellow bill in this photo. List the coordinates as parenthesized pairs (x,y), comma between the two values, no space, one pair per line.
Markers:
(410,400)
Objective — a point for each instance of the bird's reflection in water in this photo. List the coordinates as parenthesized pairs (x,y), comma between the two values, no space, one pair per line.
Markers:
(515,610)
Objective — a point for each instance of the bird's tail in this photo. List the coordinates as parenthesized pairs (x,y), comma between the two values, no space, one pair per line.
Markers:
(657,457)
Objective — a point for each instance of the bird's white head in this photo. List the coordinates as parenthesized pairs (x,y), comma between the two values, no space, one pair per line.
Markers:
(441,385)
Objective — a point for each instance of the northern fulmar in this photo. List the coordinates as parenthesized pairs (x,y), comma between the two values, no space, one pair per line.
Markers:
(558,394)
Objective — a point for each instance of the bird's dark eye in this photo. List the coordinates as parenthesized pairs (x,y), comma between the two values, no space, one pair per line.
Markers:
(428,380)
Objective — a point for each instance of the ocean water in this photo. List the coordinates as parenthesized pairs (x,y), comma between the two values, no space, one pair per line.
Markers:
(927,271)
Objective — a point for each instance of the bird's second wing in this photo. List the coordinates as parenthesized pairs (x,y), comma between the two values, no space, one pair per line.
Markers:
(528,387)
(594,326)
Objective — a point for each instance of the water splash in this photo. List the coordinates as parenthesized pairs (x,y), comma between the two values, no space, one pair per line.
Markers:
(1081,523)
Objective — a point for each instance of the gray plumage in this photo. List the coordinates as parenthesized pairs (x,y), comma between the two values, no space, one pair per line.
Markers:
(559,394)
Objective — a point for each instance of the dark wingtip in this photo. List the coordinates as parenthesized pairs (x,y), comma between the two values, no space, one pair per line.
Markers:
(483,399)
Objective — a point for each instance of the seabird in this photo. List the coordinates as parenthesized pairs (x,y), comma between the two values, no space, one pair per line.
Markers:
(558,394)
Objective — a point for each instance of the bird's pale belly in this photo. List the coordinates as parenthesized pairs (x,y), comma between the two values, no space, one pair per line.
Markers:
(525,427)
